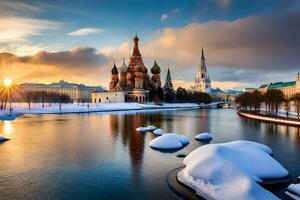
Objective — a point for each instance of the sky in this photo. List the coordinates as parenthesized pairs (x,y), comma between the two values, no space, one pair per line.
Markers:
(246,42)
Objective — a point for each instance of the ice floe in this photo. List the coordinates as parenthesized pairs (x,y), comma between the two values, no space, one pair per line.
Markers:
(293,191)
(141,129)
(158,131)
(2,139)
(150,128)
(203,136)
(169,141)
(231,171)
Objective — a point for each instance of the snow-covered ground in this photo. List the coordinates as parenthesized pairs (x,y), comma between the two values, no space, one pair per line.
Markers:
(92,107)
(270,119)
(231,170)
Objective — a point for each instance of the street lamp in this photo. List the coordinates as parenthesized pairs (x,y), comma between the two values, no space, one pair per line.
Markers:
(7,83)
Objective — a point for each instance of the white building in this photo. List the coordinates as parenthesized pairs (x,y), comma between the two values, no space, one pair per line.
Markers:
(202,81)
(108,97)
(77,92)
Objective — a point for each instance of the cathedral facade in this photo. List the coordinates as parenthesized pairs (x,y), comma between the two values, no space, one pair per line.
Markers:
(134,79)
(202,80)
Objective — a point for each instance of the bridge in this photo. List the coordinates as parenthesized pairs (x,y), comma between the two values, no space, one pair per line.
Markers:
(221,104)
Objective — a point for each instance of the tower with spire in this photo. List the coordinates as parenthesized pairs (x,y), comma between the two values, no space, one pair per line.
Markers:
(202,80)
(168,83)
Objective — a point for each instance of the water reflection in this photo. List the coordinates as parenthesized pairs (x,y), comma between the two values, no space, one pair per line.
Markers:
(93,156)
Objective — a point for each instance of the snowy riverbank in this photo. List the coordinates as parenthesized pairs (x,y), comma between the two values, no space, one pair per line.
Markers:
(278,120)
(109,107)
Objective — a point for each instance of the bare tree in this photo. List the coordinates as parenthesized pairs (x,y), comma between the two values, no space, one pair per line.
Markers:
(296,100)
(287,106)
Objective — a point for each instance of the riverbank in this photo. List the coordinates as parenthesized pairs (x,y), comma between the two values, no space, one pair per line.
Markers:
(275,119)
(19,109)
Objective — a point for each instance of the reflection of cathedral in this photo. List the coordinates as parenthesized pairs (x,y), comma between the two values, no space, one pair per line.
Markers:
(202,81)
(134,79)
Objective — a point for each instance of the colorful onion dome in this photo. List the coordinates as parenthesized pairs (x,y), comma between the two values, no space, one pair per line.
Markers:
(155,69)
(114,70)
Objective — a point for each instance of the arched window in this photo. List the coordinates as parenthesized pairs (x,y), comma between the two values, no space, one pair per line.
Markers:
(99,100)
(136,99)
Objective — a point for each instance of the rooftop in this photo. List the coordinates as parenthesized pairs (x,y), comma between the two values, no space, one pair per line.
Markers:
(281,84)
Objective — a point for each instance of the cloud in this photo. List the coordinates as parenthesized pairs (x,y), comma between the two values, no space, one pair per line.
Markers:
(81,64)
(250,50)
(85,31)
(17,29)
(168,15)
(18,25)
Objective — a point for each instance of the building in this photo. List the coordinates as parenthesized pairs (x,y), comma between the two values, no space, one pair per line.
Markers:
(133,80)
(219,95)
(108,97)
(168,83)
(288,88)
(77,92)
(202,80)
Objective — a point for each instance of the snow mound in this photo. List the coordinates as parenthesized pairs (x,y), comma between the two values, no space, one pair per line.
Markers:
(150,128)
(169,141)
(294,191)
(141,129)
(2,139)
(158,131)
(231,170)
(203,136)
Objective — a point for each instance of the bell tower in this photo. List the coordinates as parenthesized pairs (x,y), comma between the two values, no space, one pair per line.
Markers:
(202,81)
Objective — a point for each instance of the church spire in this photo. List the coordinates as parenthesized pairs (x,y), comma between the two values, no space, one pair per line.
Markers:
(168,83)
(202,55)
(136,51)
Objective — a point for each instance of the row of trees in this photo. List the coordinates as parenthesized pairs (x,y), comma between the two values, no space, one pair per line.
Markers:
(45,97)
(181,95)
(273,100)
(184,96)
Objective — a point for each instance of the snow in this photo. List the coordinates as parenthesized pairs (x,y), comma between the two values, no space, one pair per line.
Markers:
(141,129)
(94,107)
(2,139)
(270,119)
(150,128)
(231,170)
(6,115)
(169,141)
(158,131)
(294,191)
(203,136)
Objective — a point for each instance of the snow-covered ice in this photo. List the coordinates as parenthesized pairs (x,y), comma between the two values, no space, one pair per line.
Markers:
(6,115)
(293,191)
(231,170)
(2,139)
(169,141)
(141,129)
(36,108)
(150,128)
(158,131)
(203,136)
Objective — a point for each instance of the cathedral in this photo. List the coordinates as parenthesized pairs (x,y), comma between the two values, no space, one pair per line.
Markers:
(202,81)
(134,79)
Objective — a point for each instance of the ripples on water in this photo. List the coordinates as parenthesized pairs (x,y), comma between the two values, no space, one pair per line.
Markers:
(102,156)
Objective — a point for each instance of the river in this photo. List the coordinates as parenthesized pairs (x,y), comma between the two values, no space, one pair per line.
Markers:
(102,156)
